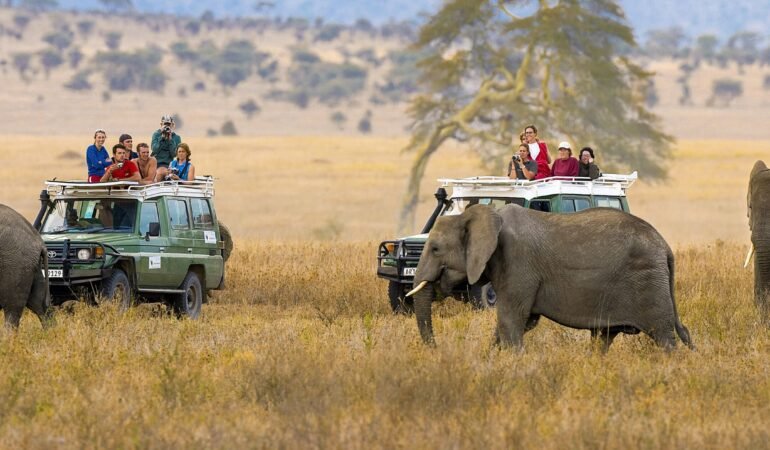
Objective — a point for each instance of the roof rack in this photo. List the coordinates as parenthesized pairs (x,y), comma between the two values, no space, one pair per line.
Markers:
(613,184)
(202,186)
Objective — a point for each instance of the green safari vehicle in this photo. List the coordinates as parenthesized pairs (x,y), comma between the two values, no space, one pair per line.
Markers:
(126,242)
(397,259)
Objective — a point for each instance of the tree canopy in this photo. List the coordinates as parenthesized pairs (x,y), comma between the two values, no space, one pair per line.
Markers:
(495,66)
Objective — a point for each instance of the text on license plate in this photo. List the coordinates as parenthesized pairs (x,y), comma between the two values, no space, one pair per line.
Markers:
(55,273)
(409,271)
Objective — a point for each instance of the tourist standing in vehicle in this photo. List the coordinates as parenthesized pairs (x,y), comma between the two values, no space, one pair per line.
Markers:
(565,165)
(164,144)
(181,168)
(538,151)
(128,142)
(522,166)
(121,169)
(587,168)
(97,158)
(148,165)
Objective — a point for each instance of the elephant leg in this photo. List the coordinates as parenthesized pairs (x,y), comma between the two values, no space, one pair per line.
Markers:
(664,337)
(13,316)
(511,324)
(39,300)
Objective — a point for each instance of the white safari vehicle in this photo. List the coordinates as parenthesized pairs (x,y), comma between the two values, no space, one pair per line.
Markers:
(397,259)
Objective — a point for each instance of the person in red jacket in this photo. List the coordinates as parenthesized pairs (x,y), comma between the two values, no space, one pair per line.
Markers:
(565,165)
(539,152)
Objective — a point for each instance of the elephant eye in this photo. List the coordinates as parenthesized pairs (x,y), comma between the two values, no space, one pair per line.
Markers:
(434,249)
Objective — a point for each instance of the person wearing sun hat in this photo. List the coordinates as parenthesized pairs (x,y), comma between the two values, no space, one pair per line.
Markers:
(565,165)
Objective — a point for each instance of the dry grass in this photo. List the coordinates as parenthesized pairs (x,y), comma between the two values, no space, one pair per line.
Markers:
(302,352)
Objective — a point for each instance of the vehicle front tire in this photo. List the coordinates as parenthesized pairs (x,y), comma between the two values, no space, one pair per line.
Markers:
(398,301)
(482,296)
(188,304)
(117,289)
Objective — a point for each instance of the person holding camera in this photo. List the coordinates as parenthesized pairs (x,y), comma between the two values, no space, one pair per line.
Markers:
(522,165)
(181,168)
(97,158)
(121,169)
(164,144)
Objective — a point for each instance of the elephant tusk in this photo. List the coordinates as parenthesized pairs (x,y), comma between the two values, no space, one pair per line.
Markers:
(748,257)
(417,289)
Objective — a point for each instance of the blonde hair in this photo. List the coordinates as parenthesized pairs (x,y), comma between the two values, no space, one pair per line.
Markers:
(186,148)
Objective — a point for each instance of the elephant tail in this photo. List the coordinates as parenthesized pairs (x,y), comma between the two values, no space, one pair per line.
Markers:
(681,330)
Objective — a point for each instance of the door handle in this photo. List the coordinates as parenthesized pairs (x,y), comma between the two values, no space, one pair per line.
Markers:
(189,250)
(162,249)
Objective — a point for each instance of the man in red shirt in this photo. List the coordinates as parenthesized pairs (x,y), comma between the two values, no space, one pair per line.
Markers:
(121,169)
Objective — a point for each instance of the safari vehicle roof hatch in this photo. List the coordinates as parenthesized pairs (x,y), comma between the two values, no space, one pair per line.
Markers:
(201,187)
(608,184)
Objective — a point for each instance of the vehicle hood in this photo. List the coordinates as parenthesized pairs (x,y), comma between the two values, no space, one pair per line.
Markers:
(113,239)
(415,237)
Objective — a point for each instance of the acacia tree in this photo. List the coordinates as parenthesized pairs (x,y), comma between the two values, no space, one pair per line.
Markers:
(563,66)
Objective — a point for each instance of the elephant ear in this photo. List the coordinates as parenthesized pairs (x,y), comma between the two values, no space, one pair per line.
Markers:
(482,228)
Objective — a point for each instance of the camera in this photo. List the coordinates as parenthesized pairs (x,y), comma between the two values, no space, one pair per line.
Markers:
(516,157)
(119,165)
(173,171)
(166,128)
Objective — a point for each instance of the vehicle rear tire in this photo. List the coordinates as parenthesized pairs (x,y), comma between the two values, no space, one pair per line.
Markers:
(482,296)
(224,234)
(117,289)
(188,304)
(398,300)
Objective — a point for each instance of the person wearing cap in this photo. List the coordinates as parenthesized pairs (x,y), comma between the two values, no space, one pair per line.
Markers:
(97,158)
(128,142)
(565,165)
(538,151)
(522,167)
(587,168)
(164,144)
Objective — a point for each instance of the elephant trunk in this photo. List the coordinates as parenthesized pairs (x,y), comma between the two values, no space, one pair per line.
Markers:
(422,310)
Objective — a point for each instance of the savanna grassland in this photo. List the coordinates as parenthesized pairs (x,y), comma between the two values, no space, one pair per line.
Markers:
(301,350)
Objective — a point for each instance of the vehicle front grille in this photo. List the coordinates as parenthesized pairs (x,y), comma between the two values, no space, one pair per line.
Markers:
(412,251)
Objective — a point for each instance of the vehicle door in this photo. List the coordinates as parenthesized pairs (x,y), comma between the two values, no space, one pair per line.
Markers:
(178,255)
(150,270)
(205,242)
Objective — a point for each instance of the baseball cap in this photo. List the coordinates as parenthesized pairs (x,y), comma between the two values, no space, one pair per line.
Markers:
(564,144)
(124,136)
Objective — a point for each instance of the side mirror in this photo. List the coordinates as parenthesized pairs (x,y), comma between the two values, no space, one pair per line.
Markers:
(154,230)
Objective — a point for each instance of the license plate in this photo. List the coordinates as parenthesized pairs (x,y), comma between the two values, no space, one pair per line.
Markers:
(409,271)
(55,273)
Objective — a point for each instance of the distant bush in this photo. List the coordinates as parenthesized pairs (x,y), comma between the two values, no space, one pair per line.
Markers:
(228,129)
(79,81)
(50,59)
(302,56)
(338,118)
(21,21)
(199,86)
(61,38)
(178,122)
(365,124)
(231,65)
(85,28)
(74,56)
(112,40)
(21,61)
(328,32)
(724,91)
(249,107)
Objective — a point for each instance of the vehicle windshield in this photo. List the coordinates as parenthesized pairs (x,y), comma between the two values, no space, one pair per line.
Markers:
(91,216)
(458,204)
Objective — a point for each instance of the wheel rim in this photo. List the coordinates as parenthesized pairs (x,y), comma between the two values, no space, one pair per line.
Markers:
(491,296)
(191,295)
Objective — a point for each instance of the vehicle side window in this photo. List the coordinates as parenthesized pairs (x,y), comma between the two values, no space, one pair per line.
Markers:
(149,214)
(540,205)
(568,205)
(201,213)
(177,214)
(608,202)
(582,203)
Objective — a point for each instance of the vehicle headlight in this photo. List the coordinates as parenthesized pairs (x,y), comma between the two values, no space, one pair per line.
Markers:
(84,254)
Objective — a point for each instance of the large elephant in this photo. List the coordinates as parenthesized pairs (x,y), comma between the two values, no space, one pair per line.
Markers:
(758,202)
(23,269)
(600,269)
